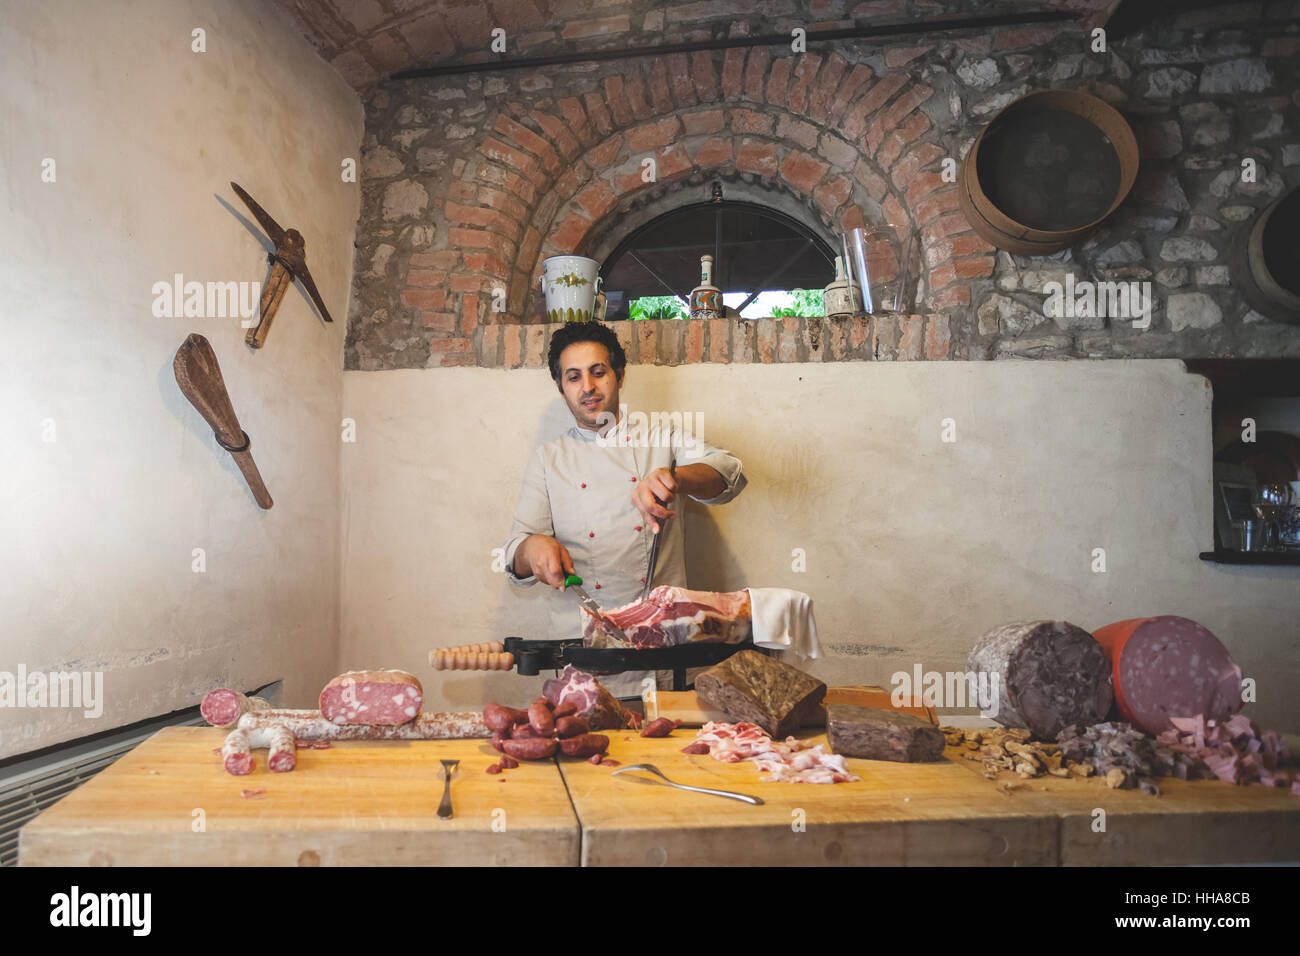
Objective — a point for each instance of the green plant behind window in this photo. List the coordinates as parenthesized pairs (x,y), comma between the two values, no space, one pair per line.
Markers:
(657,307)
(804,303)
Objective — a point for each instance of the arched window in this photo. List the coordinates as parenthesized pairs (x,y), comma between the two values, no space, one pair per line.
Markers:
(760,256)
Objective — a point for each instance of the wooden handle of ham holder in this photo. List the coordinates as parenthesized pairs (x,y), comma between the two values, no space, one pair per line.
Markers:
(200,381)
(471,657)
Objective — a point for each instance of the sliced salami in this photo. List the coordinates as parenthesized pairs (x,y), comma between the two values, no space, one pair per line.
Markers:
(388,697)
(1165,667)
(237,754)
(223,707)
(1050,674)
(311,725)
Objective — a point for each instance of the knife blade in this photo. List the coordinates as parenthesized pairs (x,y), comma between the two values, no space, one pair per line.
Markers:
(574,584)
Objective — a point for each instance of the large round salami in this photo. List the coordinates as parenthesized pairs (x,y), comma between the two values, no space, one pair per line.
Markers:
(1050,674)
(1169,666)
(387,697)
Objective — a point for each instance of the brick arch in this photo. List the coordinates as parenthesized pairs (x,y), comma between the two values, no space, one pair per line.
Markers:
(832,132)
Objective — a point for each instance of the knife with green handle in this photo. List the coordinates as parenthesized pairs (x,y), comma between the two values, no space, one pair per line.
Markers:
(574,584)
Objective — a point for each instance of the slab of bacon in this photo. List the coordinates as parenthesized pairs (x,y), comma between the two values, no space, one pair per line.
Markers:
(790,762)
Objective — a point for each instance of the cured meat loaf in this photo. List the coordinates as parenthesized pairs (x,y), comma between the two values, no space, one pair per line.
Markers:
(387,697)
(758,689)
(1050,674)
(671,615)
(592,701)
(881,735)
(311,725)
(223,707)
(1165,667)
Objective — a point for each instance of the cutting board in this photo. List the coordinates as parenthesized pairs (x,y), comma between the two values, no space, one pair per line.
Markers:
(898,814)
(686,707)
(169,802)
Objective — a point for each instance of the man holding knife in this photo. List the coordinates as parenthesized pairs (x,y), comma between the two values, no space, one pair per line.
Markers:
(593,499)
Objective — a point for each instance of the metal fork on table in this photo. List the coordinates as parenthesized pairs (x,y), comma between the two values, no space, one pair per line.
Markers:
(651,768)
(449,771)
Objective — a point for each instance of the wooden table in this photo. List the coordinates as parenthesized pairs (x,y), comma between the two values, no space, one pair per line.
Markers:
(169,802)
(1191,822)
(898,814)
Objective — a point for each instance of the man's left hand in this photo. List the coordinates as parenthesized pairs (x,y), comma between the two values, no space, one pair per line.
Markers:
(661,485)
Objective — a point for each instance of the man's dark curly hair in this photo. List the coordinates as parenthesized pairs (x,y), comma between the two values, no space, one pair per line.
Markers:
(586,332)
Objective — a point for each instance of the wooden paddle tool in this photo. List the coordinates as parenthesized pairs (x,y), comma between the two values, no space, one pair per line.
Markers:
(199,377)
(288,262)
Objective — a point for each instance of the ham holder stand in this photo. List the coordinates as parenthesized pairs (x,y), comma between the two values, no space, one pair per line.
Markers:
(530,657)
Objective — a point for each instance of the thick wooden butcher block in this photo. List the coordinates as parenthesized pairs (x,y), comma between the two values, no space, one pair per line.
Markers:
(1191,822)
(169,802)
(898,814)
(687,707)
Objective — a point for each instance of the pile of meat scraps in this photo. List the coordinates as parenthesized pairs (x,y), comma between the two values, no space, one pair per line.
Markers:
(670,616)
(1234,750)
(789,762)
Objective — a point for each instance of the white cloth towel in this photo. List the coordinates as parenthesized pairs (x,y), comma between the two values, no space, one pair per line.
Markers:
(783,621)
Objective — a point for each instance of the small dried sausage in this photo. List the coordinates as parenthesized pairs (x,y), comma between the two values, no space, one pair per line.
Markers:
(500,717)
(537,748)
(585,745)
(571,727)
(540,717)
(660,727)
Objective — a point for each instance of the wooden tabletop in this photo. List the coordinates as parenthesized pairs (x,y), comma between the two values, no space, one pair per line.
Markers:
(1191,822)
(169,802)
(898,814)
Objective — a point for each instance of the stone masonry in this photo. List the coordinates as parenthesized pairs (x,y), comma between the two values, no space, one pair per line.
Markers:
(469,181)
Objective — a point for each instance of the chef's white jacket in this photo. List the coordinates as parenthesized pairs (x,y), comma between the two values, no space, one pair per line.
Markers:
(578,489)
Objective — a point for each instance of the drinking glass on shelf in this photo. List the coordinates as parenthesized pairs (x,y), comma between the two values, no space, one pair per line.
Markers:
(1271,500)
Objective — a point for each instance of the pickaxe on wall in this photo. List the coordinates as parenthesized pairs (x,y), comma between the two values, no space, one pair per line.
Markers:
(288,262)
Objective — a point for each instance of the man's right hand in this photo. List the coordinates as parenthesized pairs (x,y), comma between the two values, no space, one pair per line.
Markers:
(547,559)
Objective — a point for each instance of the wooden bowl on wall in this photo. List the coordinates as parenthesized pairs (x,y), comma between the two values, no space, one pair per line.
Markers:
(1046,171)
(1264,256)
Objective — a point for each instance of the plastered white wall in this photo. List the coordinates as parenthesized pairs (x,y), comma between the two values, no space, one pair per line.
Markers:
(914,546)
(97,528)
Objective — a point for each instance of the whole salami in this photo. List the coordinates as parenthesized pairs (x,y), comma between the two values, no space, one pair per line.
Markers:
(386,697)
(1050,674)
(223,707)
(1167,666)
(311,725)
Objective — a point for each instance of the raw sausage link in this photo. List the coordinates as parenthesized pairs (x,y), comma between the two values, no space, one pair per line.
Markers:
(237,754)
(223,707)
(310,725)
(538,748)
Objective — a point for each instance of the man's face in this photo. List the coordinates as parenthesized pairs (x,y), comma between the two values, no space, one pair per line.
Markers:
(589,384)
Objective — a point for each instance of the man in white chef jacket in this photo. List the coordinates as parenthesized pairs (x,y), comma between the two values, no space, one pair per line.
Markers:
(587,505)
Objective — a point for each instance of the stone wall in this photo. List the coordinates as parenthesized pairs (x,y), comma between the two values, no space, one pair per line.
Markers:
(469,181)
